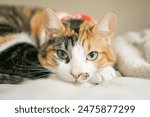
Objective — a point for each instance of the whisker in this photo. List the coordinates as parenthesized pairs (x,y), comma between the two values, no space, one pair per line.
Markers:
(25,66)
(32,73)
(35,63)
(27,60)
(43,76)
(31,69)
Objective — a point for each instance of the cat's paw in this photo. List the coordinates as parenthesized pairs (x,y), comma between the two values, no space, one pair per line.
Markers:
(96,79)
(107,73)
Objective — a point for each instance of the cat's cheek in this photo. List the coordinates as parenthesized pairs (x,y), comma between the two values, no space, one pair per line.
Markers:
(47,60)
(42,62)
(63,72)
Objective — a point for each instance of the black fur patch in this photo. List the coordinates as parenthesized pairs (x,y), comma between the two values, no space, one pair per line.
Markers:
(74,24)
(68,41)
(21,60)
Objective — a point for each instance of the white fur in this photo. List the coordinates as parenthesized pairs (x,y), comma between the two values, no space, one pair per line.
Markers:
(42,37)
(19,38)
(107,73)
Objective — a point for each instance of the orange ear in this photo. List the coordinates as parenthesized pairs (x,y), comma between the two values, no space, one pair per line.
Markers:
(106,26)
(52,24)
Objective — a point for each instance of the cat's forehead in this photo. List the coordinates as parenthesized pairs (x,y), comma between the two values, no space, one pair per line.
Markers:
(77,26)
(78,31)
(66,42)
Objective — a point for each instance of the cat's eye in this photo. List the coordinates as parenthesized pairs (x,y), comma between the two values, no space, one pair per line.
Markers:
(92,56)
(62,54)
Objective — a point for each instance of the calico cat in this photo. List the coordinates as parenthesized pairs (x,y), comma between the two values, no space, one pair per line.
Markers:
(35,44)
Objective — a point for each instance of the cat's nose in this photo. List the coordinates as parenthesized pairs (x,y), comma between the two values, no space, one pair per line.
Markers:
(76,74)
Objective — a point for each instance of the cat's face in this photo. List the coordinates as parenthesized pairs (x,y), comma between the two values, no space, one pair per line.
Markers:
(75,53)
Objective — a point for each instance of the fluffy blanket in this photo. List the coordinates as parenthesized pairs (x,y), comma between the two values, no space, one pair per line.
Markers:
(133,54)
(133,57)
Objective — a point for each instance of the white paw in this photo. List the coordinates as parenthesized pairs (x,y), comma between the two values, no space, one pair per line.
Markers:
(107,73)
(96,78)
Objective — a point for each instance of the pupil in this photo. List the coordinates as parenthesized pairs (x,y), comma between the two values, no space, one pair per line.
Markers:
(62,53)
(92,54)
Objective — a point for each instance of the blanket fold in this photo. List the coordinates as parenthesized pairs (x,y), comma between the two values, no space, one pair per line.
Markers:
(133,54)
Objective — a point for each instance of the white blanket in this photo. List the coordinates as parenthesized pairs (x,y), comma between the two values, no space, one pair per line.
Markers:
(133,57)
(133,54)
(119,88)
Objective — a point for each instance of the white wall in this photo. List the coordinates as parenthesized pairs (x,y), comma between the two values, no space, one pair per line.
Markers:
(132,14)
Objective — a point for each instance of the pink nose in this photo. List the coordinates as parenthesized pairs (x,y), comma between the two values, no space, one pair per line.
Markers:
(76,74)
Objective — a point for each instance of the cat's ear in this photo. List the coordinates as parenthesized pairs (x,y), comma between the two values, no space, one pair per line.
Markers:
(52,25)
(106,26)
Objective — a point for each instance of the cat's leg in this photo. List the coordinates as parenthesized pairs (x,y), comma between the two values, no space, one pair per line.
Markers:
(106,73)
(10,79)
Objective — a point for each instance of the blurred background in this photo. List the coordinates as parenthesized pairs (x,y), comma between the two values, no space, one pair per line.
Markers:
(132,14)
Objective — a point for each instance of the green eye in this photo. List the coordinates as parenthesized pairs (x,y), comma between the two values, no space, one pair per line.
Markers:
(62,54)
(92,56)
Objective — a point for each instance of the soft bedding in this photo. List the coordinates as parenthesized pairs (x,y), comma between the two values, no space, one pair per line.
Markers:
(119,88)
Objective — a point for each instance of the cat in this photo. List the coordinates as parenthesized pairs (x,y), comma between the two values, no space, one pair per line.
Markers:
(35,44)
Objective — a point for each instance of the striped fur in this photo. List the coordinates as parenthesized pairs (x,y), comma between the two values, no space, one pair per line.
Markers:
(19,33)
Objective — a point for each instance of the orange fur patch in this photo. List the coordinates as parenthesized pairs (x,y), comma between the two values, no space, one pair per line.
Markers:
(6,38)
(25,10)
(36,24)
(49,59)
(2,19)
